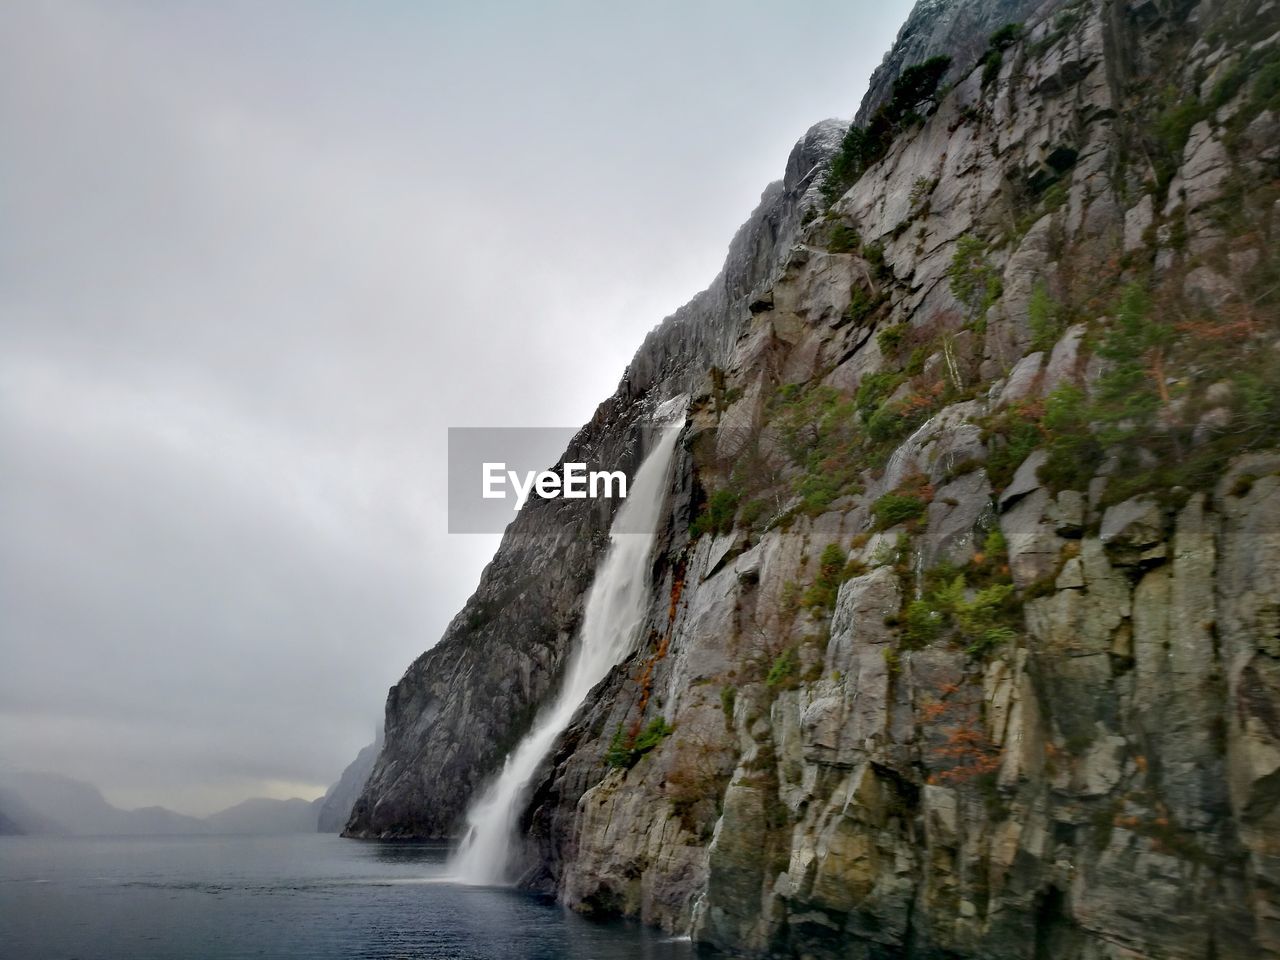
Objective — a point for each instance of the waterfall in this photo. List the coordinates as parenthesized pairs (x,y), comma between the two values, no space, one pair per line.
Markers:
(615,610)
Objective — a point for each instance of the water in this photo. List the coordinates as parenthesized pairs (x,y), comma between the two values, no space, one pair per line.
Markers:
(615,609)
(310,897)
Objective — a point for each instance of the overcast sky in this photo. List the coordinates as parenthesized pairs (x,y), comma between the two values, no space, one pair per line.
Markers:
(255,258)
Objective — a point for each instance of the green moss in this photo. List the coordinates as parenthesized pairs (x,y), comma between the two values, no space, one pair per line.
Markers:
(975,281)
(728,697)
(652,735)
(1005,37)
(821,595)
(782,672)
(921,189)
(844,239)
(625,751)
(894,508)
(819,432)
(890,338)
(789,392)
(1023,437)
(874,255)
(991,65)
(1265,94)
(1055,196)
(1231,83)
(753,512)
(789,599)
(1074,452)
(885,425)
(915,362)
(1127,392)
(1162,353)
(1169,133)
(993,59)
(864,146)
(873,389)
(981,619)
(1062,25)
(862,303)
(1045,317)
(717,516)
(922,623)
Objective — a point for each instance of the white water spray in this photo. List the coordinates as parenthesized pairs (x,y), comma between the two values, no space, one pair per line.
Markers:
(614,613)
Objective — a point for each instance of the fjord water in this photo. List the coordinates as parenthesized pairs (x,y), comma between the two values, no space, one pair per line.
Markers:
(315,896)
(615,609)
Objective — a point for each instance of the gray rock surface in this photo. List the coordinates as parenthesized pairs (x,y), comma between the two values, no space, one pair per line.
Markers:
(335,806)
(443,736)
(955,28)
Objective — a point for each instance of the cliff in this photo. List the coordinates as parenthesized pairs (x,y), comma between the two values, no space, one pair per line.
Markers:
(335,806)
(464,703)
(958,29)
(963,630)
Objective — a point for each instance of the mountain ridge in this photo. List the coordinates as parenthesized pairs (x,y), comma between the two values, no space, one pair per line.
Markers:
(45,804)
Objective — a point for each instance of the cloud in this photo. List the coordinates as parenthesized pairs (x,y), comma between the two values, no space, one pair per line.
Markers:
(255,259)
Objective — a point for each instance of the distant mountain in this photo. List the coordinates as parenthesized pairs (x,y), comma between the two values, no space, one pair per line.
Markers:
(43,803)
(51,804)
(262,815)
(21,818)
(8,827)
(335,807)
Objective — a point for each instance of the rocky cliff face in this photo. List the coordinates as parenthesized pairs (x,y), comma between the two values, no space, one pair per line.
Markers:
(463,704)
(964,622)
(958,29)
(334,808)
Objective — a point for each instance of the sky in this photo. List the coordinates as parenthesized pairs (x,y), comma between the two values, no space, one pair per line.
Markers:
(255,259)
